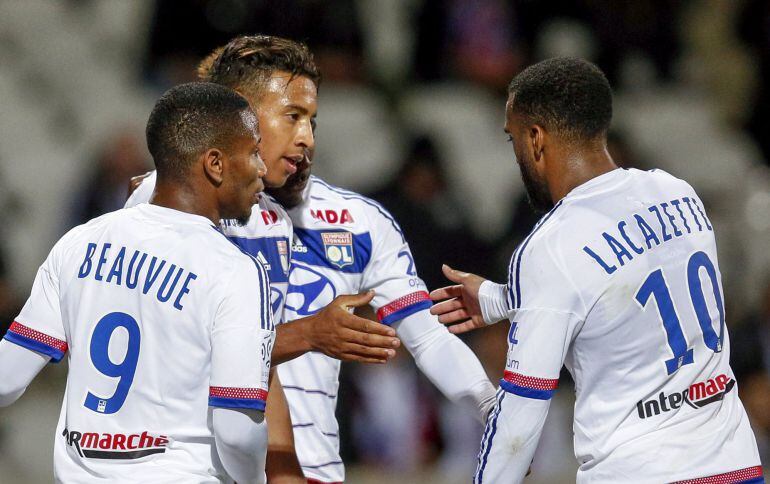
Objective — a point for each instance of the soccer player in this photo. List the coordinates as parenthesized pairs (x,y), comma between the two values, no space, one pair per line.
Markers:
(167,324)
(346,243)
(619,281)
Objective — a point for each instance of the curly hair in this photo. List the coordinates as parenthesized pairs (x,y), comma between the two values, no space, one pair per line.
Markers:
(567,95)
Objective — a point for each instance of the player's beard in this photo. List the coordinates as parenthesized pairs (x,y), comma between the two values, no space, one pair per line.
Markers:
(538,195)
(243,220)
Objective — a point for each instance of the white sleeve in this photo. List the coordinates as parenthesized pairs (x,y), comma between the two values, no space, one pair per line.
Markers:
(143,192)
(510,438)
(39,326)
(241,439)
(493,301)
(18,367)
(391,272)
(446,361)
(242,340)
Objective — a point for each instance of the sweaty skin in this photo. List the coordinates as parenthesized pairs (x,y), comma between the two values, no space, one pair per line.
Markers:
(286,109)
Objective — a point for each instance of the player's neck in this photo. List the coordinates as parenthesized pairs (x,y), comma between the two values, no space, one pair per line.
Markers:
(580,167)
(182,197)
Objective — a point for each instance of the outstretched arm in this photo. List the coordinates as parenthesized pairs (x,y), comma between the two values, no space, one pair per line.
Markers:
(335,332)
(18,367)
(447,362)
(473,302)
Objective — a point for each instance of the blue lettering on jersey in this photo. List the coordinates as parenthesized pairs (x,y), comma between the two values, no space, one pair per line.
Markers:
(163,292)
(621,248)
(336,249)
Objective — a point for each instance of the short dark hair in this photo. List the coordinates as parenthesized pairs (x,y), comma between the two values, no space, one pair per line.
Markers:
(247,62)
(568,95)
(189,119)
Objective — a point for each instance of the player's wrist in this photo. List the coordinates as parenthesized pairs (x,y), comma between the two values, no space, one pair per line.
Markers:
(291,341)
(493,302)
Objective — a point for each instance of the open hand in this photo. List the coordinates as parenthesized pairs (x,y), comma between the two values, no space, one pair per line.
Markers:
(336,332)
(458,306)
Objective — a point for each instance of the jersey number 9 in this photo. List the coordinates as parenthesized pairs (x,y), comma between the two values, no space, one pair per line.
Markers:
(100,357)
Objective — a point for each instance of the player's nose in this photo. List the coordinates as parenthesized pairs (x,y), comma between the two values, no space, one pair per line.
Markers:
(305,136)
(261,167)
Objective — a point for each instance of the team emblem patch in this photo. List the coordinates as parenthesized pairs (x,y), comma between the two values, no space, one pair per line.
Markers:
(338,247)
(283,254)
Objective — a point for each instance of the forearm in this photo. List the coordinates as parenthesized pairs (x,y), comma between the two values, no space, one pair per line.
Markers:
(510,439)
(18,367)
(291,340)
(493,301)
(447,362)
(282,464)
(241,440)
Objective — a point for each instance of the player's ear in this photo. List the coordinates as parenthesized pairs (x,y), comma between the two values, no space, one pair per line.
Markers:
(537,141)
(213,165)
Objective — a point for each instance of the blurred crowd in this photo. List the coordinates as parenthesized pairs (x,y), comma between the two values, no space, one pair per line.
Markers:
(411,111)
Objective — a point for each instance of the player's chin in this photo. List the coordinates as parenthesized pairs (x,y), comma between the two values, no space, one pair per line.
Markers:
(276,180)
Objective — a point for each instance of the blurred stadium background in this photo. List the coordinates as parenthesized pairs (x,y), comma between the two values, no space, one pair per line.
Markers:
(410,112)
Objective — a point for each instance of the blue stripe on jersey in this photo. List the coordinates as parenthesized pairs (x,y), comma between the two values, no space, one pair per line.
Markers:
(525,392)
(248,403)
(268,246)
(348,195)
(524,245)
(493,425)
(34,345)
(317,253)
(266,314)
(407,311)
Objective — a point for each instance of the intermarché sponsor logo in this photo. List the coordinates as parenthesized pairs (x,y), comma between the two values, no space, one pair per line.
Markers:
(697,395)
(97,445)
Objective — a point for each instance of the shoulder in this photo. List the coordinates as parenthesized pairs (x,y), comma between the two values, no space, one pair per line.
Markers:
(370,212)
(538,266)
(230,259)
(662,179)
(143,191)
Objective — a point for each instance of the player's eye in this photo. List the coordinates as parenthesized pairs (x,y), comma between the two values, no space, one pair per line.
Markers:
(294,116)
(510,139)
(313,124)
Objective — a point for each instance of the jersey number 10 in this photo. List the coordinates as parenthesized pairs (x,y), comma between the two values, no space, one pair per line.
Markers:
(655,286)
(100,357)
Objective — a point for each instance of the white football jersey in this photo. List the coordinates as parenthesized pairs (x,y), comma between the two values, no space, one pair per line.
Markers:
(266,237)
(344,243)
(620,283)
(160,317)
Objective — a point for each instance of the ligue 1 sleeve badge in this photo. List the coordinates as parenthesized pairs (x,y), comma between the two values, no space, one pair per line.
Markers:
(283,255)
(338,247)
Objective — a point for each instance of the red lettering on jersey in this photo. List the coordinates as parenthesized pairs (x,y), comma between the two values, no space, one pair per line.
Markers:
(106,441)
(119,442)
(346,217)
(161,441)
(332,216)
(269,216)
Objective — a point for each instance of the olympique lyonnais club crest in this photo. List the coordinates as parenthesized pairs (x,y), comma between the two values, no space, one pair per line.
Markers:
(283,254)
(338,247)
